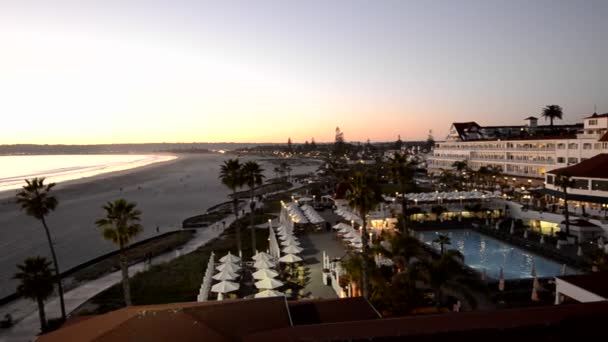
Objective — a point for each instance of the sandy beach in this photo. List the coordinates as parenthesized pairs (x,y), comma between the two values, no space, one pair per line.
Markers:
(166,193)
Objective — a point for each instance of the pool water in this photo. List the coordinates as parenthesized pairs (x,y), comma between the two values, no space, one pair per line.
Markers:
(482,252)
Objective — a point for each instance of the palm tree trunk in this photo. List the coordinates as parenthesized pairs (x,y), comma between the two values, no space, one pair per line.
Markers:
(56,265)
(252,207)
(404,208)
(235,207)
(41,314)
(364,265)
(124,268)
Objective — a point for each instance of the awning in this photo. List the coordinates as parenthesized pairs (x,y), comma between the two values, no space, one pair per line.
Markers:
(575,197)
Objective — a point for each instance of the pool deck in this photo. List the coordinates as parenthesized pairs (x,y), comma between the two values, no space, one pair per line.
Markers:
(314,244)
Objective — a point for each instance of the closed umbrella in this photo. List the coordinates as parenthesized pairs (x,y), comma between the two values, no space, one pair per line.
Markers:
(230,258)
(268,293)
(268,283)
(225,275)
(228,266)
(259,264)
(290,258)
(264,273)
(292,249)
(225,287)
(533,271)
(501,281)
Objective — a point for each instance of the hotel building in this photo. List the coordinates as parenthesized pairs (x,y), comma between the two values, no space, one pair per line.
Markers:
(526,151)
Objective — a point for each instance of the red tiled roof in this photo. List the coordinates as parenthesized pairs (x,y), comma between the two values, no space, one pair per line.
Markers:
(442,327)
(331,310)
(596,283)
(604,137)
(208,321)
(461,127)
(596,115)
(595,167)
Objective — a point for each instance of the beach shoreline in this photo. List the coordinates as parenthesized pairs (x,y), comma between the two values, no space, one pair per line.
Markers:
(5,194)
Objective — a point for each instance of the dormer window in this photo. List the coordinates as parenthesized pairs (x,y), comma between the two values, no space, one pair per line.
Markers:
(592,122)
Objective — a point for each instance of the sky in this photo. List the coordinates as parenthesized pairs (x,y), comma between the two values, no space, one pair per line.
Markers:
(87,72)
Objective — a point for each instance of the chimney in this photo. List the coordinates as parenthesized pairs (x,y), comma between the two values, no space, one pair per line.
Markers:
(532,121)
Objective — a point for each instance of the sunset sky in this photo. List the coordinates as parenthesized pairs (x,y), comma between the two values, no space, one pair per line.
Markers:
(84,72)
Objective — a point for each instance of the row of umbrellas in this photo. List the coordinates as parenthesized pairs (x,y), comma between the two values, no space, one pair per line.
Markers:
(265,275)
(295,213)
(349,234)
(312,215)
(203,293)
(228,271)
(348,215)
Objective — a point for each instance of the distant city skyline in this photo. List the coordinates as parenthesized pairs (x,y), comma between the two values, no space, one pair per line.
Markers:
(98,72)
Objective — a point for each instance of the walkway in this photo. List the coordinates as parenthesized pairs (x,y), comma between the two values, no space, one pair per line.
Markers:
(25,312)
(314,244)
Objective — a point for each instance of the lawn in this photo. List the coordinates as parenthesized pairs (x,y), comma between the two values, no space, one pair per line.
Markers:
(180,279)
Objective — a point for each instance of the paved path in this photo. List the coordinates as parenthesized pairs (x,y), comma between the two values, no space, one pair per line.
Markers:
(26,311)
(314,244)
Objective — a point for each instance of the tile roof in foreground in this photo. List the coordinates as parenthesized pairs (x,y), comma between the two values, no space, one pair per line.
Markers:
(595,167)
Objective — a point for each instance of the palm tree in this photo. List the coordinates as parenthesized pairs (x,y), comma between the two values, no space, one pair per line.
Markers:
(37,202)
(402,249)
(442,240)
(252,176)
(402,171)
(441,273)
(552,112)
(36,278)
(120,226)
(231,177)
(363,197)
(563,181)
(460,165)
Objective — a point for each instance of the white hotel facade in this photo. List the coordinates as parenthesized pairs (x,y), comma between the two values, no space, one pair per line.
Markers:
(524,151)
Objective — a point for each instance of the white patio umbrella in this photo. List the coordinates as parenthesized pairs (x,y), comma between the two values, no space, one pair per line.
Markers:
(292,249)
(290,258)
(259,264)
(268,293)
(268,283)
(225,287)
(286,236)
(261,255)
(264,273)
(230,258)
(292,242)
(228,266)
(225,275)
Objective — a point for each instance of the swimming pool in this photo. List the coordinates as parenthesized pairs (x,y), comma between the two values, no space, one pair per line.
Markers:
(482,252)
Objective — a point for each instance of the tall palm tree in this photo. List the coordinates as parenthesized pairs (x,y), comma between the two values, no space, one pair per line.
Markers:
(442,240)
(232,177)
(363,197)
(36,278)
(460,165)
(120,226)
(552,112)
(402,171)
(564,181)
(37,202)
(252,176)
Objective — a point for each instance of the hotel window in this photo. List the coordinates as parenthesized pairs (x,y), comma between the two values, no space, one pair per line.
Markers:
(586,146)
(561,160)
(581,184)
(573,146)
(549,179)
(593,122)
(597,146)
(561,146)
(599,185)
(572,160)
